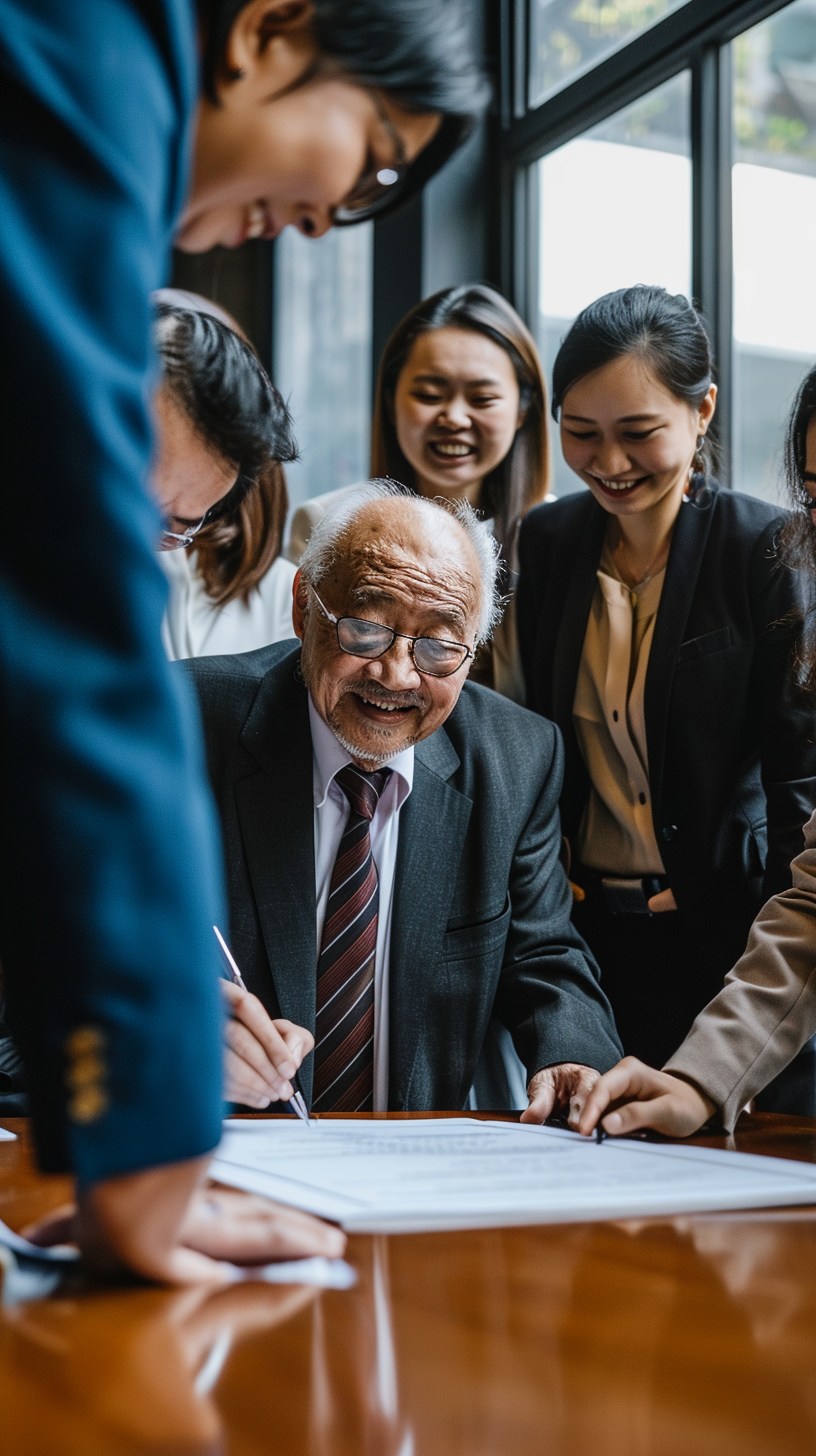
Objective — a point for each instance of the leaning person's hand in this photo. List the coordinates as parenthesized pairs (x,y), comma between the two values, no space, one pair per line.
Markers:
(633,1095)
(260,1055)
(563,1088)
(246,1229)
(160,1224)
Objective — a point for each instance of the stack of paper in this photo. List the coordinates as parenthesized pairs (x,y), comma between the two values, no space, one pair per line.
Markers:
(452,1173)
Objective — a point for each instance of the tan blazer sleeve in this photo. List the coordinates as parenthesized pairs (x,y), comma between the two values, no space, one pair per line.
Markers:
(766,1010)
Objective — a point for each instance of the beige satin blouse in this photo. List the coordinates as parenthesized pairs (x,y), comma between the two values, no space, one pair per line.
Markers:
(616,833)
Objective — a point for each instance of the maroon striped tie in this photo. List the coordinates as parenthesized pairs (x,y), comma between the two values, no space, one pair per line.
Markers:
(344,1033)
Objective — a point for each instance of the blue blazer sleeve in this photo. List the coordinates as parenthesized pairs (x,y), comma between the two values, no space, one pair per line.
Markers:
(112,877)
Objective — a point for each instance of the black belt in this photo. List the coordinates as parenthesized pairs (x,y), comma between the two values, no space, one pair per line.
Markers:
(622,895)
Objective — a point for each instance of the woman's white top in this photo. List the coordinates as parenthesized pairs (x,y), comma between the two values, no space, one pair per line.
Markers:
(194,626)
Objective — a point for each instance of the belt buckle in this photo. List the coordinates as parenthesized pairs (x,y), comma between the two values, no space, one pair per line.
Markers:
(625,897)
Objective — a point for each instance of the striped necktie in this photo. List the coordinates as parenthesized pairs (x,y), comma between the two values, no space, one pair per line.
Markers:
(344,1032)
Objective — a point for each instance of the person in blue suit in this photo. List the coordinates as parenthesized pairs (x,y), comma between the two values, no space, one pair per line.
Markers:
(312,113)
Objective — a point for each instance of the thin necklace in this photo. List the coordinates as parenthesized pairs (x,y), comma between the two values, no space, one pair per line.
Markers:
(639,586)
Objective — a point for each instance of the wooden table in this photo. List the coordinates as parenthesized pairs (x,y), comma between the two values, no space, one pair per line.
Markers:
(693,1336)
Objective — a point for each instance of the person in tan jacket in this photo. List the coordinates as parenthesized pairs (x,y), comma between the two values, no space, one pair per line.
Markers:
(766,1010)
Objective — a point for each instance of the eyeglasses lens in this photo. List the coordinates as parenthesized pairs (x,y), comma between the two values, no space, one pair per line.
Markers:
(363,639)
(368,639)
(438,659)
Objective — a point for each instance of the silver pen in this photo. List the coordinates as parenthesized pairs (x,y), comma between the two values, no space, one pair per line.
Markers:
(296,1102)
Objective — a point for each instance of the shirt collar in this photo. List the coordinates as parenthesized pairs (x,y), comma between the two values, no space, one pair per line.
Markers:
(329,756)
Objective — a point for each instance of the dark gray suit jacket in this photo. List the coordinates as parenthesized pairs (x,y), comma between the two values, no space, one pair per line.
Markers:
(481,915)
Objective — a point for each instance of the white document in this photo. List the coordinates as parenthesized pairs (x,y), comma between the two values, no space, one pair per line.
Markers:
(6,1136)
(455,1173)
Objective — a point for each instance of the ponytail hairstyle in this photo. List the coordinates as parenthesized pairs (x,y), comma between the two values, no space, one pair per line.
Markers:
(522,478)
(665,331)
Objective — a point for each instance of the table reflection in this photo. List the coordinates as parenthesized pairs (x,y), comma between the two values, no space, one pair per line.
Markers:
(129,1370)
(354,1403)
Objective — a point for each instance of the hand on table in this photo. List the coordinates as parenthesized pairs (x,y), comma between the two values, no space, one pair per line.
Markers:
(563,1088)
(261,1055)
(162,1225)
(640,1096)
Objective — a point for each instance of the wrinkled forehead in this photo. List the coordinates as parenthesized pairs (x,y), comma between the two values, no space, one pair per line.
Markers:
(412,561)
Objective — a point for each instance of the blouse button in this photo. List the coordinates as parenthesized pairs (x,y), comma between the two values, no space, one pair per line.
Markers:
(642,798)
(614,715)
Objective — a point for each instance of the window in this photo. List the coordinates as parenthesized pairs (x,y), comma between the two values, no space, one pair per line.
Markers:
(673,143)
(774,227)
(568,37)
(615,209)
(323,354)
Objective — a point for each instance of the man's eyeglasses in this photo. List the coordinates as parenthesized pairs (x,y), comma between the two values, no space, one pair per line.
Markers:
(430,655)
(378,184)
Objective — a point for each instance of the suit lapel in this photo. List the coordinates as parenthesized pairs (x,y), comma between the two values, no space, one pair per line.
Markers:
(433,825)
(276,816)
(575,612)
(682,572)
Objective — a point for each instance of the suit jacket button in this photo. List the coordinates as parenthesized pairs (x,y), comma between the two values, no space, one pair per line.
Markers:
(669,832)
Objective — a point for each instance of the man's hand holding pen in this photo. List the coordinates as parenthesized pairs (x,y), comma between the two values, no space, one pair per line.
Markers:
(261,1056)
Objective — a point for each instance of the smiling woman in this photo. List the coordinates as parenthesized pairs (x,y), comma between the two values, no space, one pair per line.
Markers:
(657,629)
(460,413)
(318,113)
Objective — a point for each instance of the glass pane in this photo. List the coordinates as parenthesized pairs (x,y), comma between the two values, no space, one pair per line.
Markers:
(774,199)
(569,37)
(323,354)
(615,209)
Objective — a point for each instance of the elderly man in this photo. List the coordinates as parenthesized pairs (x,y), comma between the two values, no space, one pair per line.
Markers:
(392,834)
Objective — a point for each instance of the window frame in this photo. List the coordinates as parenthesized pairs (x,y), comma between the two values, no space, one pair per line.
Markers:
(697,37)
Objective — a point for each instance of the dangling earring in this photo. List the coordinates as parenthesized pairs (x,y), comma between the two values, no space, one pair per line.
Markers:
(698,464)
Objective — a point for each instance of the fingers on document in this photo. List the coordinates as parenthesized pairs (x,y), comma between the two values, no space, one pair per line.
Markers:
(585,1079)
(633,1095)
(246,1229)
(541,1093)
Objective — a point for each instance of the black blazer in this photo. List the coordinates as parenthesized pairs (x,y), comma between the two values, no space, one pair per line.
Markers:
(732,762)
(481,914)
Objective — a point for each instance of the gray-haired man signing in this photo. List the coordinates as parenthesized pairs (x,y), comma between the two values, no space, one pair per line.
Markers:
(392,835)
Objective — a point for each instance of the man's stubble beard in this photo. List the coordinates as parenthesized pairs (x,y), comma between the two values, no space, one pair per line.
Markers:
(357,751)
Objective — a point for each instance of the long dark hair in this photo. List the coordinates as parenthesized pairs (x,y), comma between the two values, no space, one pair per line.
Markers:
(236,551)
(663,329)
(522,478)
(797,542)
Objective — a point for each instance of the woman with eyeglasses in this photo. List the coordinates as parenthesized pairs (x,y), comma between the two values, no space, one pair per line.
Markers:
(461,413)
(222,432)
(656,629)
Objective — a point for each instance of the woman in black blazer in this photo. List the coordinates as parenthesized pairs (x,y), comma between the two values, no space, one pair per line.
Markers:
(657,630)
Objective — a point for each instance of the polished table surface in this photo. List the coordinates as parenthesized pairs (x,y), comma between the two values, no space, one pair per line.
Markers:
(691,1336)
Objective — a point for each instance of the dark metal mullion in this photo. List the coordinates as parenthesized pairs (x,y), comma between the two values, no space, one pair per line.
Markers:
(664,49)
(712,261)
